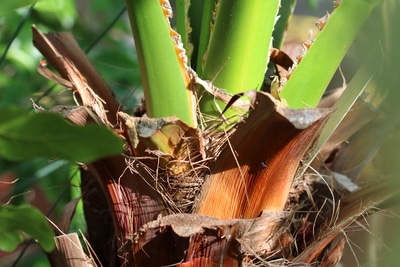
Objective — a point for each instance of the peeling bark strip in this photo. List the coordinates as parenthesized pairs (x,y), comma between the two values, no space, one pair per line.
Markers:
(64,54)
(269,146)
(130,197)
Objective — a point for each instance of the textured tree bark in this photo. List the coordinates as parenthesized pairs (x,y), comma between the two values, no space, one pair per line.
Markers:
(69,252)
(255,172)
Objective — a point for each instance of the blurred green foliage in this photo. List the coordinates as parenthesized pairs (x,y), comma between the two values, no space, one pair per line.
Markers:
(13,221)
(51,184)
(112,56)
(313,3)
(25,136)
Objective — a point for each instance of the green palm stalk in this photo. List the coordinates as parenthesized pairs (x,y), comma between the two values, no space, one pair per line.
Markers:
(237,54)
(162,62)
(308,83)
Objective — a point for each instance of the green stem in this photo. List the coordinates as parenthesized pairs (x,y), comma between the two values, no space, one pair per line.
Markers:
(205,33)
(239,47)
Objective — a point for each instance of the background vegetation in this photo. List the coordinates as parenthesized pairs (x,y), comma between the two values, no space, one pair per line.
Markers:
(51,184)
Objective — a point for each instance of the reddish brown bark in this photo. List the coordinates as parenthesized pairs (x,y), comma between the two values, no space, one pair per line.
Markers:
(255,172)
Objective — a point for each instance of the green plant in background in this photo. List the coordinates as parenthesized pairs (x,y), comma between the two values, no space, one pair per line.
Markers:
(227,46)
(53,180)
(13,222)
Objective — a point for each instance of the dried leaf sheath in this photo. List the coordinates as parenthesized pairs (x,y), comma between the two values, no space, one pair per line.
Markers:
(64,54)
(131,200)
(268,146)
(214,242)
(176,156)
